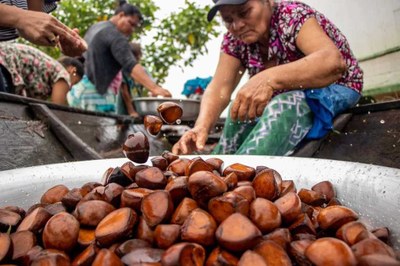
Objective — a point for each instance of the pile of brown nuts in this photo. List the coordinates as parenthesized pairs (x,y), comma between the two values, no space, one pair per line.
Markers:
(182,211)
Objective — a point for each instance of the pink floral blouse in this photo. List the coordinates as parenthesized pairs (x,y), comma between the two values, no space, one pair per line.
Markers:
(287,19)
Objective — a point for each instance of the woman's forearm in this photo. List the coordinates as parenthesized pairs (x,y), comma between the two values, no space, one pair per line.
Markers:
(10,15)
(316,70)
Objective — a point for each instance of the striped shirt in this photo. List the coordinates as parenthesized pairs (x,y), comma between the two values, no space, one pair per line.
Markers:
(7,34)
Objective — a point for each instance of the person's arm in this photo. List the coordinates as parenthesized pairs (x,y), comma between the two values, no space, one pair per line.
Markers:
(215,99)
(40,28)
(59,92)
(321,66)
(140,75)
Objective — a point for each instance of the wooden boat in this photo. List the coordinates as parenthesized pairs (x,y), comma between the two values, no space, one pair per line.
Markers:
(34,132)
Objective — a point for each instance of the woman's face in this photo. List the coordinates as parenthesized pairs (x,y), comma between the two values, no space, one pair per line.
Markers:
(248,22)
(127,24)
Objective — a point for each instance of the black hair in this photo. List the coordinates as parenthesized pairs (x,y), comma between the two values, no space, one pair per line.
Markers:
(67,61)
(129,10)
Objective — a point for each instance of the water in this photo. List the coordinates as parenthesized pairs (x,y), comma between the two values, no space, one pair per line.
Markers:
(178,121)
(382,121)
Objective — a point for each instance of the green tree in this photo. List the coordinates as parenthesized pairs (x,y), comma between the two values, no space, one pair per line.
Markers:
(179,39)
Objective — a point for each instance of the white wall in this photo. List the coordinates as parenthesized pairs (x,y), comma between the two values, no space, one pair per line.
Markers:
(371,26)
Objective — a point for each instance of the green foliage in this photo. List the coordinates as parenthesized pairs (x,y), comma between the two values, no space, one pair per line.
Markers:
(179,39)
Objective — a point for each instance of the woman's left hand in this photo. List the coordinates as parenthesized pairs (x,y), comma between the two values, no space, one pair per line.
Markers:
(252,98)
(72,45)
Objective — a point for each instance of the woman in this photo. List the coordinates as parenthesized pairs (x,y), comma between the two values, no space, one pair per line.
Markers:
(32,73)
(302,71)
(108,53)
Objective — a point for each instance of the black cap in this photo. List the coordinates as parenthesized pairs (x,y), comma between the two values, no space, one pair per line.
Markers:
(219,3)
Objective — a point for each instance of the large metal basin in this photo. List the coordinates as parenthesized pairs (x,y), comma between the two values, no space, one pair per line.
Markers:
(148,106)
(372,191)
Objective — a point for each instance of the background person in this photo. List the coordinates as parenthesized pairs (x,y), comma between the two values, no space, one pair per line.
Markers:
(131,89)
(302,71)
(108,53)
(32,73)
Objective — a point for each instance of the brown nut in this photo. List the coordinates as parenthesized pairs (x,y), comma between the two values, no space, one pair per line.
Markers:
(302,225)
(352,232)
(272,253)
(115,226)
(178,189)
(22,242)
(86,257)
(72,198)
(336,252)
(372,246)
(35,221)
(231,180)
(196,165)
(280,236)
(90,213)
(9,219)
(89,186)
(165,235)
(297,251)
(132,198)
(51,257)
(382,233)
(219,256)
(169,112)
(333,217)
(204,185)
(179,166)
(247,192)
(311,197)
(142,255)
(144,232)
(54,194)
(237,233)
(136,147)
(169,156)
(265,215)
(377,260)
(199,228)
(183,210)
(251,258)
(61,232)
(151,178)
(107,257)
(265,185)
(216,163)
(222,207)
(86,236)
(289,206)
(131,245)
(152,124)
(188,254)
(6,248)
(325,188)
(157,207)
(287,186)
(159,162)
(243,172)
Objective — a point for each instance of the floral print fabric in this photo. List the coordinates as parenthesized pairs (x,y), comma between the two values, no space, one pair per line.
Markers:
(33,72)
(287,19)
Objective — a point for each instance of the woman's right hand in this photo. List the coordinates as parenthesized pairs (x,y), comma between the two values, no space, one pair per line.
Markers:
(161,91)
(192,140)
(43,29)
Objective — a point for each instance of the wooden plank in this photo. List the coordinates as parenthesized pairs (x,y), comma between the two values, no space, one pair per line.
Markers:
(78,148)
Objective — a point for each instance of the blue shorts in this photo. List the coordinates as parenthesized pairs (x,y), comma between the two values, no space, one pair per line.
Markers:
(326,103)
